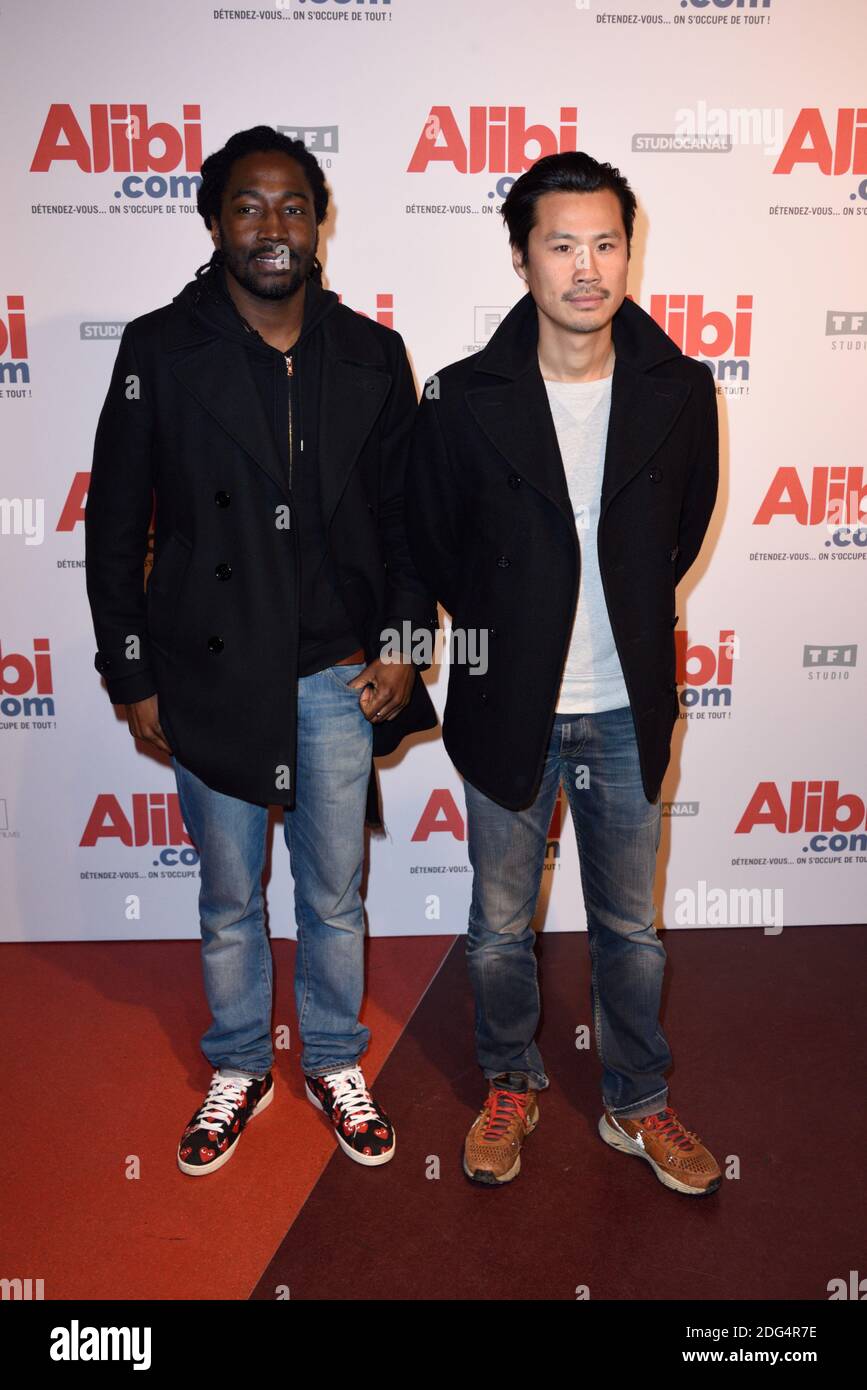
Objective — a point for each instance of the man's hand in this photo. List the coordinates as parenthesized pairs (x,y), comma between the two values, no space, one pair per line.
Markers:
(385,689)
(144,723)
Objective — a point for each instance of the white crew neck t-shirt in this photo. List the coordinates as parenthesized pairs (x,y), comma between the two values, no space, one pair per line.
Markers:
(592,675)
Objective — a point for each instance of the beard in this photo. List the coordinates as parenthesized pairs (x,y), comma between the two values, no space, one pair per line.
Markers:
(263,284)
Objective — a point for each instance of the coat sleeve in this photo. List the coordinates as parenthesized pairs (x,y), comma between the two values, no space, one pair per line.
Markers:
(116,520)
(407,599)
(701,486)
(435,519)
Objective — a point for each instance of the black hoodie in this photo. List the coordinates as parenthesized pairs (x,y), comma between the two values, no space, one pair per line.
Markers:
(325,629)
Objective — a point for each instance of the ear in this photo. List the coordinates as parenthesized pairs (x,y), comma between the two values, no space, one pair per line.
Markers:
(517,263)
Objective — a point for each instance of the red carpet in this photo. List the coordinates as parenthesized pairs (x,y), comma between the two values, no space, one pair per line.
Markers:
(768,1043)
(106,1069)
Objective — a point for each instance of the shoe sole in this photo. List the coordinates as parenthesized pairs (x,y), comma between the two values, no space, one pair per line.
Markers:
(629,1146)
(200,1170)
(369,1160)
(483,1177)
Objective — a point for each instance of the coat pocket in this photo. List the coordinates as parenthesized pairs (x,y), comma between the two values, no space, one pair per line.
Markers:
(165,589)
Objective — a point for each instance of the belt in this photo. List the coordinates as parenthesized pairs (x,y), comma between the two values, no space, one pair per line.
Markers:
(351,660)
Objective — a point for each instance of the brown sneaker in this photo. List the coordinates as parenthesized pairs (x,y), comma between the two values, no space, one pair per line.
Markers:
(676,1155)
(492,1150)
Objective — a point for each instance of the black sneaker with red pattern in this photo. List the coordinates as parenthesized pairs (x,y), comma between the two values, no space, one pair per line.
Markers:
(363,1129)
(212,1135)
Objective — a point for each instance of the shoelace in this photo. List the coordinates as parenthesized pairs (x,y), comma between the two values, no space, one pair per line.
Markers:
(221,1101)
(351,1094)
(668,1125)
(502,1107)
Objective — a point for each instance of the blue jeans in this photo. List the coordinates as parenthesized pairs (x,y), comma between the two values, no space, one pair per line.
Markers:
(325,837)
(617,830)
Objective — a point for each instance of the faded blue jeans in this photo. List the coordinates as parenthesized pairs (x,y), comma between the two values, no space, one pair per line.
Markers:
(325,837)
(617,831)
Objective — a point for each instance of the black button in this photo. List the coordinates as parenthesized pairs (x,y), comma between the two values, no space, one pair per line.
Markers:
(514,480)
(492,632)
(484,697)
(223,571)
(673,554)
(102,663)
(504,562)
(222,499)
(655,474)
(215,644)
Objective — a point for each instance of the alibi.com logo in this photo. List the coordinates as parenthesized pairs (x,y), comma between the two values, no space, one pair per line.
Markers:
(14,357)
(721,340)
(153,159)
(148,819)
(441,815)
(834,498)
(816,817)
(706,673)
(836,144)
(27,687)
(495,140)
(383,309)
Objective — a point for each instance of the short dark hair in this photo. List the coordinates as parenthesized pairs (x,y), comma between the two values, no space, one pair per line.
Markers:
(259,138)
(570,172)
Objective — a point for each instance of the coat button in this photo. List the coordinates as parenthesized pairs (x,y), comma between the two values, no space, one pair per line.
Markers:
(655,474)
(493,632)
(484,697)
(504,562)
(222,499)
(215,645)
(102,663)
(514,480)
(673,554)
(223,571)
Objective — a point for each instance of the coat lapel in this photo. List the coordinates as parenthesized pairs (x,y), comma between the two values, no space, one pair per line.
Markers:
(218,375)
(515,415)
(216,372)
(351,398)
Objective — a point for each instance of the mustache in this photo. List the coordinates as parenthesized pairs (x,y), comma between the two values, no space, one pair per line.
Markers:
(285,252)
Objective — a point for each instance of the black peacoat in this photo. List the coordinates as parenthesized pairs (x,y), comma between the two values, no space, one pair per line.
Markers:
(215,633)
(492,531)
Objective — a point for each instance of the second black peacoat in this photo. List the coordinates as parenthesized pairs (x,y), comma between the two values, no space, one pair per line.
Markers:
(492,531)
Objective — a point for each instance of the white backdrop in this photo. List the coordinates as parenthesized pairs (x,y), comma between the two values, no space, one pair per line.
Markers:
(738,126)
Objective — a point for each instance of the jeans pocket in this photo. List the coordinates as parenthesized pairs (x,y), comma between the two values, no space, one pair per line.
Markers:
(342,675)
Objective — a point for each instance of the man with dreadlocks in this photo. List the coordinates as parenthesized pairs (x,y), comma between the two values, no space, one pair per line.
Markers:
(266,427)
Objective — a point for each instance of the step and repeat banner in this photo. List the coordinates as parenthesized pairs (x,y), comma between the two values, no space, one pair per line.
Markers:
(742,127)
